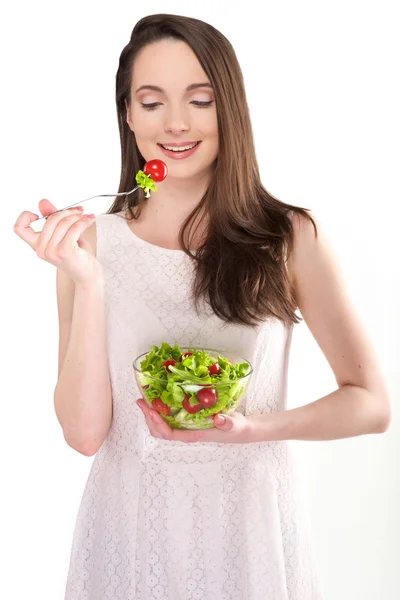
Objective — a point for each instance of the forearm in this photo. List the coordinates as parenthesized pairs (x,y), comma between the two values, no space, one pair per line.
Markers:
(347,412)
(82,396)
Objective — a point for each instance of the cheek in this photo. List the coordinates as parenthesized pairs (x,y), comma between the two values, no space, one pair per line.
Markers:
(144,125)
(211,125)
(211,130)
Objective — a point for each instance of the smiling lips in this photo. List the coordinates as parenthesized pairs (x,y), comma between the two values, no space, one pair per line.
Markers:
(179,146)
(179,149)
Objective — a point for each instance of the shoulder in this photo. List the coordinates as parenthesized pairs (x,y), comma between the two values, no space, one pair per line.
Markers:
(313,265)
(306,238)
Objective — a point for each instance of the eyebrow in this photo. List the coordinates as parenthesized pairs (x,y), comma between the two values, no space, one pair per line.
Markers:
(189,88)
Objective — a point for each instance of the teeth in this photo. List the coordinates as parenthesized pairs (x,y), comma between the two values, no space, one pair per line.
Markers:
(179,148)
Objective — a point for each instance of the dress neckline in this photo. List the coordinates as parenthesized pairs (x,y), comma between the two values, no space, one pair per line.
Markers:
(140,241)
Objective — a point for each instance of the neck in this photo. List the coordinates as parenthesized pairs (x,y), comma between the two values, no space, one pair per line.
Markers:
(164,212)
(173,202)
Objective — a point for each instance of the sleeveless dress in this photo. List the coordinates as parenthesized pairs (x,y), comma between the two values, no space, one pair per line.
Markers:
(175,521)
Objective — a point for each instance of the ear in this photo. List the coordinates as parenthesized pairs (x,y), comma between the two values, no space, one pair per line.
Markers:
(128,116)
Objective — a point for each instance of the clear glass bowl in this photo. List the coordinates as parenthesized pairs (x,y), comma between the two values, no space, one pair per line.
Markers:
(227,395)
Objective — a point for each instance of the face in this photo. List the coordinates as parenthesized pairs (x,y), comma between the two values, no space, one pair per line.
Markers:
(177,114)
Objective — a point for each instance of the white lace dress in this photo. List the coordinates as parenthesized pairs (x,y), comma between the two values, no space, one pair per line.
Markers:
(174,521)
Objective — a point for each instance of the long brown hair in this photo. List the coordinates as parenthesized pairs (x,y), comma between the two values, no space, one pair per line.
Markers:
(241,268)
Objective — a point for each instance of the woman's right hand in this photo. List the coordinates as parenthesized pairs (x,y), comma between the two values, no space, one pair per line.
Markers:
(60,242)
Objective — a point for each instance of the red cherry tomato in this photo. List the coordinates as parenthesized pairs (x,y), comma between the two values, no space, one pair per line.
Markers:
(161,407)
(215,369)
(185,355)
(207,397)
(167,364)
(191,408)
(156,169)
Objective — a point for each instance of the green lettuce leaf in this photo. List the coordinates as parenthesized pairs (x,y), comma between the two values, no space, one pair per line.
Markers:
(145,182)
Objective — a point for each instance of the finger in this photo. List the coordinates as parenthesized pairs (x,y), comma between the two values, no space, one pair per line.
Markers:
(46,207)
(153,430)
(222,421)
(151,426)
(68,231)
(52,235)
(148,412)
(144,407)
(25,232)
(22,227)
(143,404)
(163,429)
(53,220)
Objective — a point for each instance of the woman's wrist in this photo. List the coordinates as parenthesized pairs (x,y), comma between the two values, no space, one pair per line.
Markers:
(260,428)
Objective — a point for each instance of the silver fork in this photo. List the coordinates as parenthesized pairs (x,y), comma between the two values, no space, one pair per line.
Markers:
(91,198)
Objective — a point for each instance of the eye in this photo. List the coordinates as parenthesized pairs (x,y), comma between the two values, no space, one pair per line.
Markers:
(150,106)
(202,104)
(198,103)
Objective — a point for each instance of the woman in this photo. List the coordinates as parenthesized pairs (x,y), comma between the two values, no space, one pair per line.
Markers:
(210,260)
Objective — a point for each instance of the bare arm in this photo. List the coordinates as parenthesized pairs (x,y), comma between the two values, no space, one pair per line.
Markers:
(361,404)
(82,397)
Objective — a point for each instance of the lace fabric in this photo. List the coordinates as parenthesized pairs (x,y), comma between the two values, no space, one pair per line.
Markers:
(175,521)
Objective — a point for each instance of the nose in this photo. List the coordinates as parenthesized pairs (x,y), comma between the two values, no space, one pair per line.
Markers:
(176,120)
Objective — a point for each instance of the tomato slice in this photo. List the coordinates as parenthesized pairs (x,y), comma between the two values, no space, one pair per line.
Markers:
(167,364)
(191,408)
(161,407)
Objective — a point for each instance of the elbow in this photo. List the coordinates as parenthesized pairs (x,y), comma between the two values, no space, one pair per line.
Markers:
(87,447)
(382,413)
(383,423)
(86,451)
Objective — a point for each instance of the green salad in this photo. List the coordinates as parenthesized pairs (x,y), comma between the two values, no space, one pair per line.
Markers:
(145,182)
(187,387)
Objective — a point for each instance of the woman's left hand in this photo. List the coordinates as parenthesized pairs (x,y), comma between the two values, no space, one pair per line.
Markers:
(231,429)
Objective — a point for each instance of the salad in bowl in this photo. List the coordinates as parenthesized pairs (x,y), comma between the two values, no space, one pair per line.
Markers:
(187,386)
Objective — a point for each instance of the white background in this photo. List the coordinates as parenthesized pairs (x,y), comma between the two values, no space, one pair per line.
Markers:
(322,80)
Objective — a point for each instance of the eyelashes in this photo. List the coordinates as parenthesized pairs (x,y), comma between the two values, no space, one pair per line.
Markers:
(197,103)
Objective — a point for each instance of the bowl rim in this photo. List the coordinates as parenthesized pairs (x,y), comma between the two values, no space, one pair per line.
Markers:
(188,348)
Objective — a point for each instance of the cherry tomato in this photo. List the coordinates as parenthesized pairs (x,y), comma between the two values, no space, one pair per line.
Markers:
(156,169)
(215,369)
(161,407)
(207,397)
(189,407)
(167,364)
(185,355)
